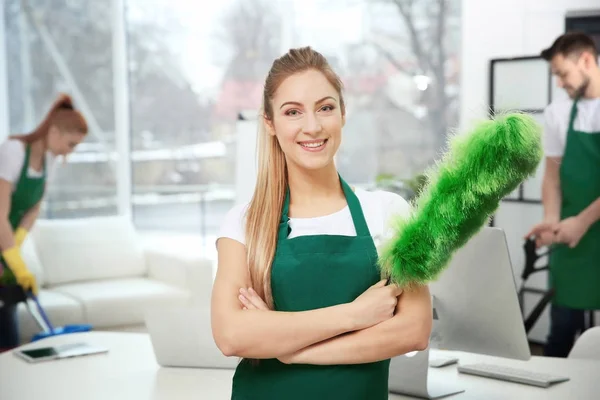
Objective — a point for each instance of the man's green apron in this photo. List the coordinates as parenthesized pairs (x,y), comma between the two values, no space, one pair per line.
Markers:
(575,273)
(311,272)
(28,192)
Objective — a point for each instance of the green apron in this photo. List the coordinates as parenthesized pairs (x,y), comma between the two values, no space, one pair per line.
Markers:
(575,273)
(311,272)
(28,192)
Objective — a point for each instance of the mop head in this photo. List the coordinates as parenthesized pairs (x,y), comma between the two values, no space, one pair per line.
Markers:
(462,192)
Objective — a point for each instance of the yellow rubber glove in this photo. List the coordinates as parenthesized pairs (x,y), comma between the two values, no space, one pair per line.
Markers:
(20,235)
(15,262)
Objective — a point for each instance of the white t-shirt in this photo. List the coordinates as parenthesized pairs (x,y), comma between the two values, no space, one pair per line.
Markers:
(379,209)
(556,123)
(12,157)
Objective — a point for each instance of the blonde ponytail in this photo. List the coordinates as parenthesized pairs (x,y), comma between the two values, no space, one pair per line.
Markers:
(264,211)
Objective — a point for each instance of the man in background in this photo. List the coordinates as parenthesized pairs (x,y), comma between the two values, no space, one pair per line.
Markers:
(571,189)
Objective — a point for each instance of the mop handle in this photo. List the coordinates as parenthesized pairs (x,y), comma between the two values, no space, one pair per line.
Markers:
(42,312)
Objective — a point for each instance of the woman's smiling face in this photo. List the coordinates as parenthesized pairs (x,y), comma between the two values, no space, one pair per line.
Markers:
(307,120)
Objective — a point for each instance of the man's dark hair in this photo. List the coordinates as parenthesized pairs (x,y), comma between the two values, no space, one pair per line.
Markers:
(570,43)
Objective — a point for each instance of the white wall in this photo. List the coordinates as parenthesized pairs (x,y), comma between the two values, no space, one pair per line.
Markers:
(501,29)
(4,125)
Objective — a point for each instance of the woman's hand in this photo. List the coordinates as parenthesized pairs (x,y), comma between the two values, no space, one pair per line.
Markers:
(251,300)
(375,305)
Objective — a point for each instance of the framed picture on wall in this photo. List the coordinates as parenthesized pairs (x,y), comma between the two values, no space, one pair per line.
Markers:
(531,74)
(584,21)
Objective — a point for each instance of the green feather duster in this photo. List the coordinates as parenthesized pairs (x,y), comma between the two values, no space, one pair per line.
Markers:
(463,191)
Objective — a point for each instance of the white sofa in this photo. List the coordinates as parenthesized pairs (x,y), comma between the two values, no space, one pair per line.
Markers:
(96,271)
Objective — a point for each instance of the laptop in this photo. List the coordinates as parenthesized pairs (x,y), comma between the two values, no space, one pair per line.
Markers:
(182,337)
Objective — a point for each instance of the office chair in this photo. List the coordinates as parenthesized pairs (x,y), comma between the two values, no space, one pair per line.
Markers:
(531,257)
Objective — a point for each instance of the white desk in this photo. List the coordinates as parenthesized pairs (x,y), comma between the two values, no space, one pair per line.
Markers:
(129,371)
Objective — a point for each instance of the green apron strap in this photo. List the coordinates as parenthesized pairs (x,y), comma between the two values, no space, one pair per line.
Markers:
(284,222)
(360,224)
(358,218)
(573,115)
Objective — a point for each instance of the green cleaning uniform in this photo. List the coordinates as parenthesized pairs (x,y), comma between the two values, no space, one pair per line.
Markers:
(311,272)
(575,273)
(28,192)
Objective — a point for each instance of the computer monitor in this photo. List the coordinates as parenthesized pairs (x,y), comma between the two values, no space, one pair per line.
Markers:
(476,309)
(475,301)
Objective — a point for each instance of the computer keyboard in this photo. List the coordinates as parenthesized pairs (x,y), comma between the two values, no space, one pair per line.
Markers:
(511,374)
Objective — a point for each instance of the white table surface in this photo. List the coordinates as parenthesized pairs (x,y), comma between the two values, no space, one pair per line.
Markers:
(129,371)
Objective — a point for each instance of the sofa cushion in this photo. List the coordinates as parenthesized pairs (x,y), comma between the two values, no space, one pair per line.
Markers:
(117,302)
(85,249)
(60,309)
(32,260)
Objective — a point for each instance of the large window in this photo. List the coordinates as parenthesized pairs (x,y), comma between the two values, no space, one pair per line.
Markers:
(66,46)
(182,171)
(194,66)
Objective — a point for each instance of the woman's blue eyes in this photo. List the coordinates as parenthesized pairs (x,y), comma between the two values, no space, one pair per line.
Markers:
(295,112)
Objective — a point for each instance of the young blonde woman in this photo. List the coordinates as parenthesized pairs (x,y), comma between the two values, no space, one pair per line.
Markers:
(298,294)
(25,163)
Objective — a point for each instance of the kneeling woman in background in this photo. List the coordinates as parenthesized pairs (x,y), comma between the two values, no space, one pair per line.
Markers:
(25,163)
